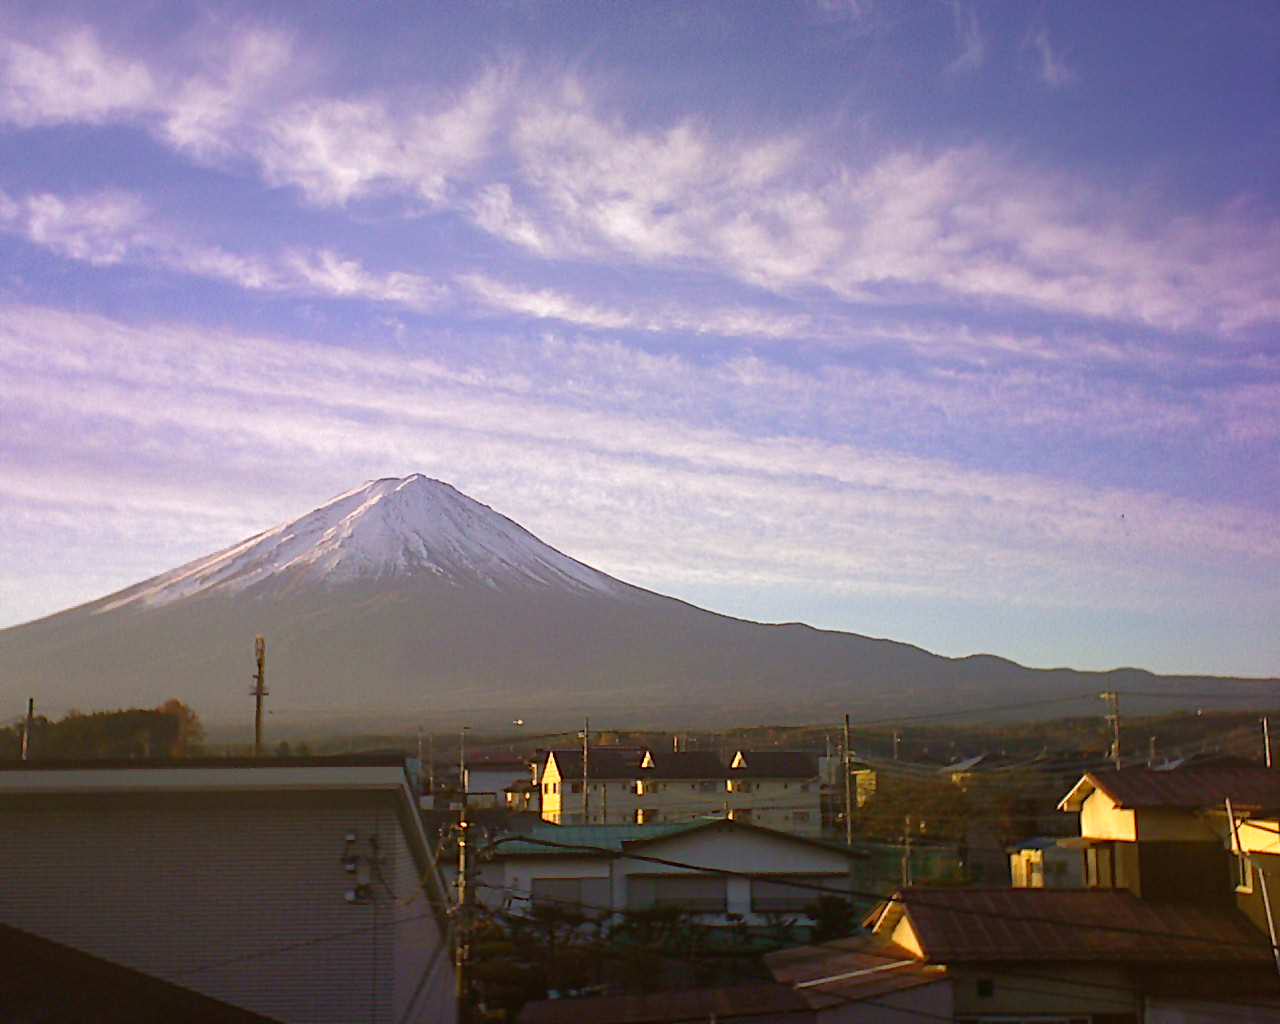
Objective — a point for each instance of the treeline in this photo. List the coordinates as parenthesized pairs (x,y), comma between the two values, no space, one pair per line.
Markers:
(171,730)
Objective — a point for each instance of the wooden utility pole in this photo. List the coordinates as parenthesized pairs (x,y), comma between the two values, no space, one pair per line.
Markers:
(586,750)
(431,762)
(460,924)
(462,764)
(906,852)
(26,728)
(1266,738)
(1113,703)
(848,787)
(897,741)
(259,691)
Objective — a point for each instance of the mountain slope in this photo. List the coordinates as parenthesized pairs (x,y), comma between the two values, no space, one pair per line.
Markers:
(404,597)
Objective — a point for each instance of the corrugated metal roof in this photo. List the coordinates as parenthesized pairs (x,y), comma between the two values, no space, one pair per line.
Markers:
(984,925)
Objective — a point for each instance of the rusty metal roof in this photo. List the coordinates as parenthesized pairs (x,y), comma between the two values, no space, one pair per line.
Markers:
(1191,788)
(985,925)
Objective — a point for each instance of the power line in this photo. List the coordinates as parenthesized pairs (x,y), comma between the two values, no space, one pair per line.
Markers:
(845,893)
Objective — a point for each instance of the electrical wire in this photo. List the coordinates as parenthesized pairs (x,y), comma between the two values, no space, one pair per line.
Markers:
(845,893)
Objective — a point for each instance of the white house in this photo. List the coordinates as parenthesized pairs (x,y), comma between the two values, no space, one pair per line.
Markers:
(721,869)
(301,890)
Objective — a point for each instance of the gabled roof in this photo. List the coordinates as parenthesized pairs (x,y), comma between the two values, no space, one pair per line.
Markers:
(602,762)
(546,840)
(1201,786)
(1068,925)
(775,764)
(684,764)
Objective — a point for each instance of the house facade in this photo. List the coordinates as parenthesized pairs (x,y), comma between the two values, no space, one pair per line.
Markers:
(721,870)
(299,890)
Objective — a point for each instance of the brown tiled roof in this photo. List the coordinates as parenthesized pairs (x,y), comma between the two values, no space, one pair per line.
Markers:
(984,925)
(751,1001)
(1194,787)
(777,764)
(685,764)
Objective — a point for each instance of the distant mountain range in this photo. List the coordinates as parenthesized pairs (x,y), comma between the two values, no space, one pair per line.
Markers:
(405,600)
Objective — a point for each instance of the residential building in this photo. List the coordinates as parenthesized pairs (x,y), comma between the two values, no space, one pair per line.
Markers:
(294,889)
(610,785)
(1047,862)
(739,872)
(1163,833)
(778,789)
(1094,956)
(682,785)
(490,775)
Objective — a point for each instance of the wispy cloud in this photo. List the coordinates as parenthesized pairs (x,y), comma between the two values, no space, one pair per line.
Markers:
(550,304)
(531,159)
(1053,69)
(560,439)
(108,228)
(973,47)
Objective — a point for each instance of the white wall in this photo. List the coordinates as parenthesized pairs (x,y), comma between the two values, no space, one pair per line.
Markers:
(239,897)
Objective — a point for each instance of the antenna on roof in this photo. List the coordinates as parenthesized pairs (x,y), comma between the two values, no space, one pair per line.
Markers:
(259,691)
(1113,703)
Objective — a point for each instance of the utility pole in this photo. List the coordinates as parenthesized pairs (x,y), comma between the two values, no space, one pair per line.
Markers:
(848,788)
(259,691)
(1266,738)
(26,728)
(462,765)
(1151,751)
(460,925)
(897,740)
(1113,703)
(586,749)
(906,852)
(431,762)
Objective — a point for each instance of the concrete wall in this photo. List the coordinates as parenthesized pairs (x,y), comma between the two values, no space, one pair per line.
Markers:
(240,897)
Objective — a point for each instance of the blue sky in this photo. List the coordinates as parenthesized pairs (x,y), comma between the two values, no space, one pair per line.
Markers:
(955,323)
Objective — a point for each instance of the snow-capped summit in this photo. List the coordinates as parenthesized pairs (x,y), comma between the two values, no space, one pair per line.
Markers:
(393,527)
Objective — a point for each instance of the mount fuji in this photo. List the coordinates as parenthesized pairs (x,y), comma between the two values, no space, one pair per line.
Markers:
(404,600)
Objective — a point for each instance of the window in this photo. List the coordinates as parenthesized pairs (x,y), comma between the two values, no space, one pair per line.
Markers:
(584,894)
(701,894)
(791,893)
(575,787)
(546,787)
